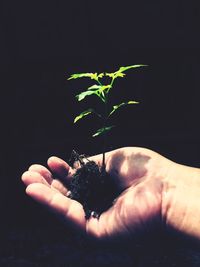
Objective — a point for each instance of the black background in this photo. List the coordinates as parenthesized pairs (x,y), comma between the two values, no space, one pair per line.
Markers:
(42,43)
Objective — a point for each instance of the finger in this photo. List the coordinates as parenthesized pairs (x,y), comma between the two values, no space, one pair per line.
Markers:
(60,169)
(30,177)
(71,210)
(43,171)
(56,184)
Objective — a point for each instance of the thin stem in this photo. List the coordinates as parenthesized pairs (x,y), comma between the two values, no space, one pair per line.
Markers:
(105,117)
(99,82)
(104,147)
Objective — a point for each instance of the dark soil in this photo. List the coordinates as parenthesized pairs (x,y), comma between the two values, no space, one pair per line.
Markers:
(94,188)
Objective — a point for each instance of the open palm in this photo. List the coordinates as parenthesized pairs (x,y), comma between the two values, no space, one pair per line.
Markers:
(139,173)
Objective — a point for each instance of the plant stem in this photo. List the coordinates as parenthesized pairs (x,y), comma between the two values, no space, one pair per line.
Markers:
(105,117)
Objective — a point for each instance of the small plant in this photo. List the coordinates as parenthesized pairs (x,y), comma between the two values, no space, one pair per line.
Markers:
(84,189)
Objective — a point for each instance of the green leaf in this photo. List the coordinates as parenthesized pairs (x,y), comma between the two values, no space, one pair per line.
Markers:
(103,91)
(122,69)
(83,114)
(100,75)
(82,95)
(94,87)
(99,88)
(104,87)
(115,74)
(80,75)
(103,130)
(116,107)
(93,76)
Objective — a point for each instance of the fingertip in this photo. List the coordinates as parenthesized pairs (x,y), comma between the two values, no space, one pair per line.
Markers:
(58,165)
(30,188)
(38,191)
(24,176)
(53,159)
(43,171)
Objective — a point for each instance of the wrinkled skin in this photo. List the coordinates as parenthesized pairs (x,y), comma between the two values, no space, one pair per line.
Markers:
(140,174)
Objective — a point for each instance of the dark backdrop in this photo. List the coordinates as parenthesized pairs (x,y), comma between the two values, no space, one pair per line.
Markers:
(42,43)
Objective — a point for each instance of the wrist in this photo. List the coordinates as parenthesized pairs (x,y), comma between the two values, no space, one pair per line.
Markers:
(180,201)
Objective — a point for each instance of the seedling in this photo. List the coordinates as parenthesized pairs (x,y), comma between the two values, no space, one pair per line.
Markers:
(94,176)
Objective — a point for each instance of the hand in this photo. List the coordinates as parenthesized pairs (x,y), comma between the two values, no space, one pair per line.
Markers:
(140,174)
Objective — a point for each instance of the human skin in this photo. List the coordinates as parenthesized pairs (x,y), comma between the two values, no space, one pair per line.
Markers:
(157,194)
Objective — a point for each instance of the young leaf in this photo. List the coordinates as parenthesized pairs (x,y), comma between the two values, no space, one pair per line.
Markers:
(122,69)
(104,88)
(116,107)
(94,90)
(83,114)
(82,95)
(94,87)
(103,91)
(93,76)
(114,75)
(103,130)
(80,75)
(100,75)
(99,88)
